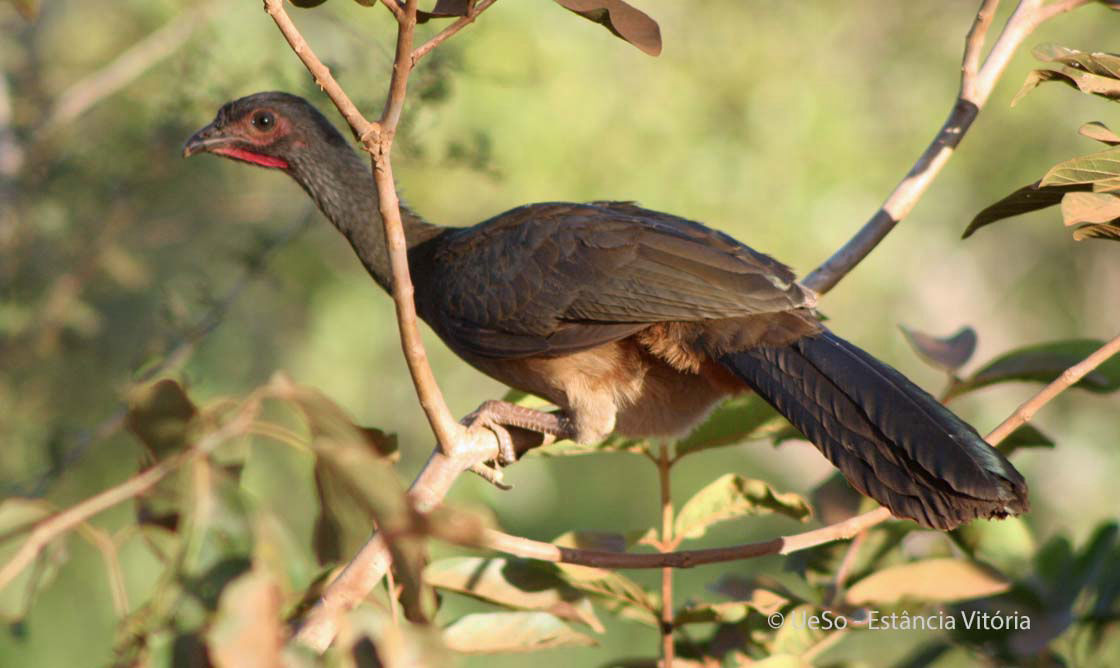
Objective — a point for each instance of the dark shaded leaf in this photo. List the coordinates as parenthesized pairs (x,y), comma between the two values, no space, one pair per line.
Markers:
(1080,208)
(160,415)
(493,632)
(624,21)
(736,420)
(937,580)
(445,9)
(949,353)
(1086,82)
(1007,544)
(1038,77)
(1025,436)
(1024,200)
(731,496)
(307,3)
(513,583)
(1043,363)
(1109,231)
(835,500)
(1100,132)
(1089,169)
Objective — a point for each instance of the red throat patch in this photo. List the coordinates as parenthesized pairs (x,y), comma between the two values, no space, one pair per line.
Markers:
(254,158)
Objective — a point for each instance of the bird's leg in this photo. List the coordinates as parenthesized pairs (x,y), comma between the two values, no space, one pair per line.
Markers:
(498,415)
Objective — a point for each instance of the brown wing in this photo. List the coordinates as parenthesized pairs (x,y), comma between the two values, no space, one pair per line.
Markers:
(554,278)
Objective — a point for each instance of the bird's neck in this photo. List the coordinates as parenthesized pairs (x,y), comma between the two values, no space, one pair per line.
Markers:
(341,184)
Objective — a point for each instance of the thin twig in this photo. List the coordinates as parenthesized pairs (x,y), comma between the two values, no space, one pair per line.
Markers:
(449,31)
(667,544)
(54,526)
(1069,377)
(976,87)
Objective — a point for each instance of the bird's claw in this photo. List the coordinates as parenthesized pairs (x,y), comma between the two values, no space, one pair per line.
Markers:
(481,419)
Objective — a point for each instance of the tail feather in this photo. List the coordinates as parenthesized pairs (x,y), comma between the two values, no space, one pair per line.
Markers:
(890,439)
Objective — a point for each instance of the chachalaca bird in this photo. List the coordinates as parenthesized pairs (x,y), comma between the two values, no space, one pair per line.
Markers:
(636,322)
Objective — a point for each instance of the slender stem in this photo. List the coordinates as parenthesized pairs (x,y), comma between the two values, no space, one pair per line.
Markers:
(472,13)
(977,84)
(667,543)
(1069,377)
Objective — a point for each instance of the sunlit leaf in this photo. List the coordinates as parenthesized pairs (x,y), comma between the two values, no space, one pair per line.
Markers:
(1087,169)
(731,496)
(1043,363)
(936,580)
(1100,132)
(494,632)
(949,353)
(736,420)
(623,20)
(617,592)
(1105,64)
(762,602)
(248,631)
(1024,200)
(513,583)
(1080,208)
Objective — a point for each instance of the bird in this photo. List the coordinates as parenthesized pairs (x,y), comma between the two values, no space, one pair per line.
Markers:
(635,322)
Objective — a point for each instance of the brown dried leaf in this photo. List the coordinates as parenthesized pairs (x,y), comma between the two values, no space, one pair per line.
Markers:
(940,580)
(624,21)
(1100,132)
(1105,64)
(1109,231)
(949,353)
(1090,208)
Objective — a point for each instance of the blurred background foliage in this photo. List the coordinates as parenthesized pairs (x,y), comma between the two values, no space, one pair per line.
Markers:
(781,123)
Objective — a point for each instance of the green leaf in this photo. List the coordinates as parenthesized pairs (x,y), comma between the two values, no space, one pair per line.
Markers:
(160,415)
(1006,544)
(734,421)
(1087,169)
(1025,436)
(762,601)
(731,496)
(1081,207)
(935,580)
(1029,198)
(1043,363)
(1100,132)
(624,21)
(513,583)
(494,632)
(948,353)
(619,593)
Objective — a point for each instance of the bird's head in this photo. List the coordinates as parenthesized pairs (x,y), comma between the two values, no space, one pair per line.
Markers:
(273,129)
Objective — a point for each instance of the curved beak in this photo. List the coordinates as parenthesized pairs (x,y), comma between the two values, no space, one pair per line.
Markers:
(206,139)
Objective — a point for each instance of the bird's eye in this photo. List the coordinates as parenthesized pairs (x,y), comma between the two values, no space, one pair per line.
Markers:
(264,120)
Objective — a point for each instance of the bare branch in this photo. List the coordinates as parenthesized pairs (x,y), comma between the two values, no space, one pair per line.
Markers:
(321,72)
(976,87)
(667,543)
(1070,376)
(449,31)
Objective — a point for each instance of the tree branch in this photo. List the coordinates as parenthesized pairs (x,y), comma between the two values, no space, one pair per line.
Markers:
(977,84)
(1068,378)
(449,31)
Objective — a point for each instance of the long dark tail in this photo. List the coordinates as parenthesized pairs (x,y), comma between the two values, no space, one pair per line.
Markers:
(890,439)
